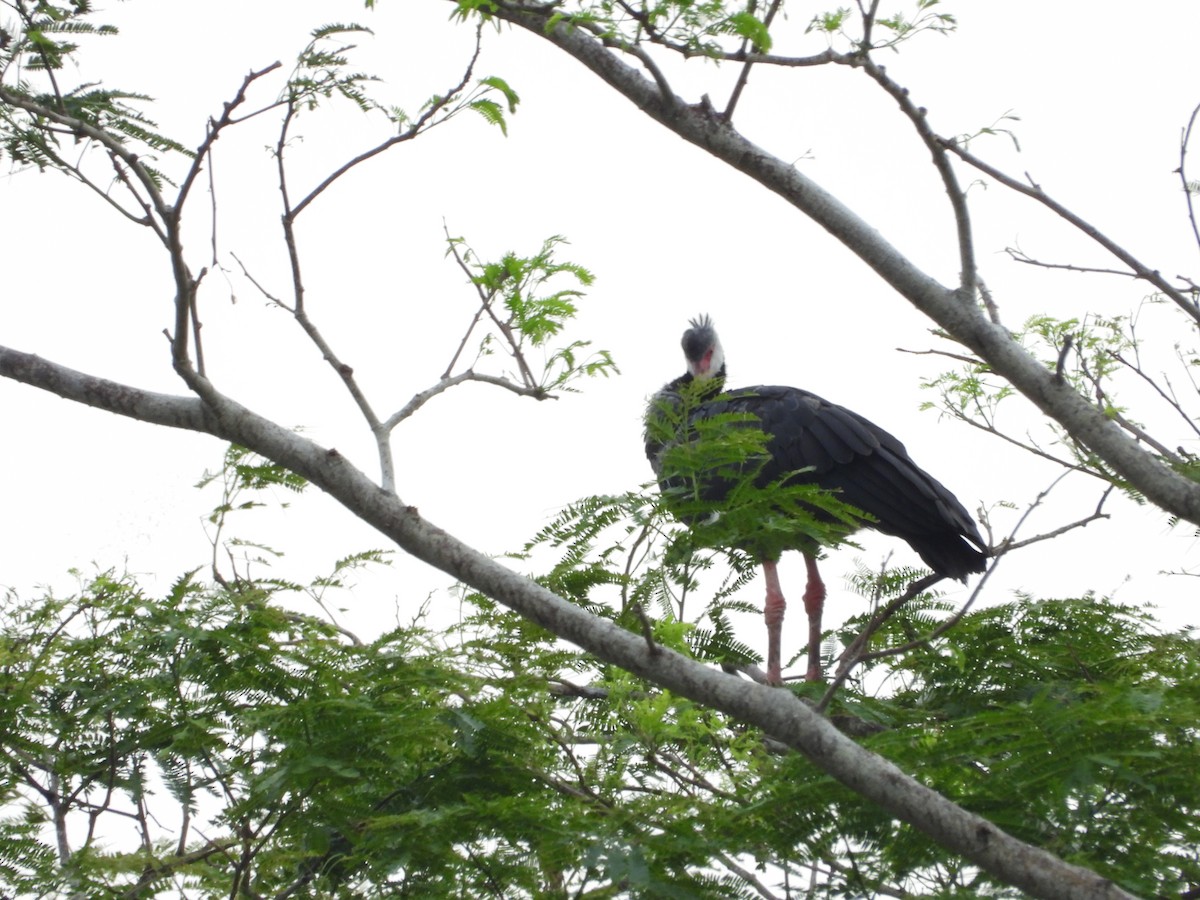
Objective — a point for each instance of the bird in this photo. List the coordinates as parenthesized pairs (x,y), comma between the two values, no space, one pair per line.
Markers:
(806,440)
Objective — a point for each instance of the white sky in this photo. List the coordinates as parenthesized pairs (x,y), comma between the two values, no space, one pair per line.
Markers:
(1101,94)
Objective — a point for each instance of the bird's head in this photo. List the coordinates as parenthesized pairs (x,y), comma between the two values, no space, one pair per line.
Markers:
(702,349)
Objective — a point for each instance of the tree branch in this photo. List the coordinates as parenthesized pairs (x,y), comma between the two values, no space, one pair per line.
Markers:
(1188,188)
(1034,191)
(417,127)
(953,310)
(958,199)
(777,712)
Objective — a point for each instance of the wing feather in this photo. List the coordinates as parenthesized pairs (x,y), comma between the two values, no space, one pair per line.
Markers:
(868,467)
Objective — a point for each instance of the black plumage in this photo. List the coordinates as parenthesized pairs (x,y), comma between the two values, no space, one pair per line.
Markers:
(842,452)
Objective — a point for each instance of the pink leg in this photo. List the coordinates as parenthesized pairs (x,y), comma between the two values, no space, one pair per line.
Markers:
(814,604)
(773,612)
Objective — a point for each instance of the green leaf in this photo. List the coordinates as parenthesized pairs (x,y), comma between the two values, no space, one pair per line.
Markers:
(491,111)
(499,84)
(752,29)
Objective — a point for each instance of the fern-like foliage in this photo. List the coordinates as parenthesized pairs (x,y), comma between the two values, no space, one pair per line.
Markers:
(323,70)
(37,110)
(216,717)
(1100,357)
(528,300)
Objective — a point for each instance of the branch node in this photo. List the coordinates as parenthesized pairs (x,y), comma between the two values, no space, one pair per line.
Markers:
(1062,359)
(647,629)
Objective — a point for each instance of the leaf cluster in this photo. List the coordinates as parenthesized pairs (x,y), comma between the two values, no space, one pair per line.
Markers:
(512,767)
(249,748)
(46,34)
(322,71)
(1061,721)
(528,301)
(730,32)
(38,112)
(1101,358)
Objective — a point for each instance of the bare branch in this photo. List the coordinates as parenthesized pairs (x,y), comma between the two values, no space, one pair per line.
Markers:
(1188,188)
(420,398)
(417,127)
(100,393)
(1034,191)
(1170,399)
(214,131)
(1008,544)
(1062,357)
(856,652)
(1029,445)
(958,199)
(744,75)
(1019,255)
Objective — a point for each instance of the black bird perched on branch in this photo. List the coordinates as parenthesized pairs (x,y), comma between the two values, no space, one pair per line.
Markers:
(808,441)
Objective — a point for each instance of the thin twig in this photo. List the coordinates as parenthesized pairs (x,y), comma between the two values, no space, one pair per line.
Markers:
(1170,399)
(747,876)
(1030,447)
(420,398)
(744,75)
(969,360)
(1188,192)
(417,127)
(1019,255)
(656,36)
(1035,192)
(854,654)
(487,308)
(484,297)
(1008,545)
(214,131)
(1063,352)
(937,149)
(647,629)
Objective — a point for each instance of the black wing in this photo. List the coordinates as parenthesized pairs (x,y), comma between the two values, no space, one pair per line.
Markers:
(866,466)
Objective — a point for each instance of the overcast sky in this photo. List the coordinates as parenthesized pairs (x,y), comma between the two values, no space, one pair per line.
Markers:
(1101,96)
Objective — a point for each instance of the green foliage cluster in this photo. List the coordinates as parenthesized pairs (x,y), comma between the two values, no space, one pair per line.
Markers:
(215,741)
(39,112)
(525,299)
(897,25)
(42,119)
(1101,358)
(324,71)
(1066,722)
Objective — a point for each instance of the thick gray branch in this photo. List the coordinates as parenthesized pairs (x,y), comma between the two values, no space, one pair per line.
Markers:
(776,711)
(145,406)
(959,315)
